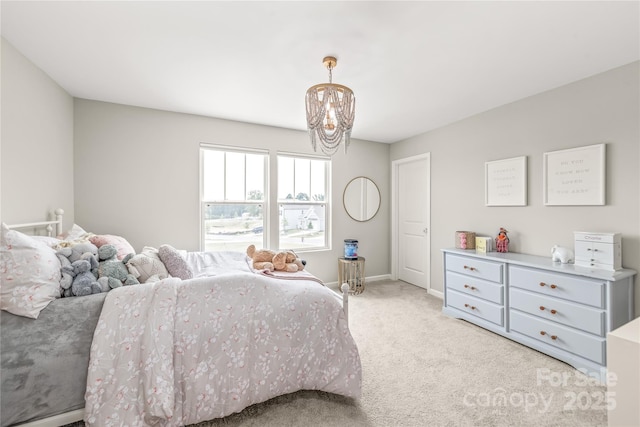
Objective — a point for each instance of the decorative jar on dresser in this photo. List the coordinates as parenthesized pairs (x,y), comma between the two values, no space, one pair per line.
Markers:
(562,310)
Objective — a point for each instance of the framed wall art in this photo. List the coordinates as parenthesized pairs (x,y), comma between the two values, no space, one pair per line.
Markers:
(506,182)
(575,176)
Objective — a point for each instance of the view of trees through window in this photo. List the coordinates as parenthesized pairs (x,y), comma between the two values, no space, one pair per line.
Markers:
(302,194)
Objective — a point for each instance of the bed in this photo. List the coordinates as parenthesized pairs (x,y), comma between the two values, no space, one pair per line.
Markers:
(176,352)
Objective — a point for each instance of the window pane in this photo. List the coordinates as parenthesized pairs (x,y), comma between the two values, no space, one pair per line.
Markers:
(302,226)
(285,178)
(318,180)
(213,175)
(255,177)
(302,174)
(234,179)
(232,227)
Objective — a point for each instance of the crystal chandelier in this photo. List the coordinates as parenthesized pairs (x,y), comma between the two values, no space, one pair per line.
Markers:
(330,113)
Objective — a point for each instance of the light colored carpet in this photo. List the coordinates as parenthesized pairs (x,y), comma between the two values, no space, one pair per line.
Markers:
(422,368)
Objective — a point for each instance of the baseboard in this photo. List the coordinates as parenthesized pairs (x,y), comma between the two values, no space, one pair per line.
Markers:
(437,294)
(57,420)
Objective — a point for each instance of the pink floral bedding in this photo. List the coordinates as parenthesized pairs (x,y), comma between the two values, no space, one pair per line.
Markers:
(178,352)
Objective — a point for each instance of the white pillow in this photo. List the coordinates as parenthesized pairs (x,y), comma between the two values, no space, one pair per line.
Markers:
(29,274)
(52,242)
(147,265)
(76,232)
(72,237)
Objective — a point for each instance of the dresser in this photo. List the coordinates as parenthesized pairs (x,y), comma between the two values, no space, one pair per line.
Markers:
(562,310)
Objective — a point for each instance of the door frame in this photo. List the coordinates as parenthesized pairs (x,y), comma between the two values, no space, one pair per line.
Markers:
(395,166)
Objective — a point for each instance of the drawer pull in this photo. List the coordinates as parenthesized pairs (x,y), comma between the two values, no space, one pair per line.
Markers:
(466,267)
(553,337)
(552,286)
(473,288)
(542,307)
(470,306)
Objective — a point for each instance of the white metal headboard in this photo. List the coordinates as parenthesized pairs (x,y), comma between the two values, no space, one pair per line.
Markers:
(48,225)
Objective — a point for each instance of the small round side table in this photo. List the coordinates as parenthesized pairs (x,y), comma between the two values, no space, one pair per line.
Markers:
(351,271)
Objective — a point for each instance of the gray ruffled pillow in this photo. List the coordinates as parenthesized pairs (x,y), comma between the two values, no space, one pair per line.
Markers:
(176,265)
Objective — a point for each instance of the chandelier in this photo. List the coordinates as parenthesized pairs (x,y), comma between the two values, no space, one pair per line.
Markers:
(330,113)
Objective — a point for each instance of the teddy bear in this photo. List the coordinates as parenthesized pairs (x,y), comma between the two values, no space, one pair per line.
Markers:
(287,261)
(112,272)
(66,272)
(68,256)
(262,259)
(83,282)
(266,259)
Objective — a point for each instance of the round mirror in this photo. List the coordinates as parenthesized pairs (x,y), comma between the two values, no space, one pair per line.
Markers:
(361,199)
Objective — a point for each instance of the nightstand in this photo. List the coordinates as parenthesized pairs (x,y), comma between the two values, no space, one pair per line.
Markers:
(351,271)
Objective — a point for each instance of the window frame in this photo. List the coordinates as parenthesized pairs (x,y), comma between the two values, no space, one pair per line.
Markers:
(326,202)
(265,197)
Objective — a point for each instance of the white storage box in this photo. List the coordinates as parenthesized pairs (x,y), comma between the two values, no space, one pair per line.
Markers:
(598,250)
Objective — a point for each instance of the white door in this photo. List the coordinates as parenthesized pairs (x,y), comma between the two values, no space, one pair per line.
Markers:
(411,212)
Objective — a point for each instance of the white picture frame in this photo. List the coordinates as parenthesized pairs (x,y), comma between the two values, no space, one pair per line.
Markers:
(506,182)
(575,176)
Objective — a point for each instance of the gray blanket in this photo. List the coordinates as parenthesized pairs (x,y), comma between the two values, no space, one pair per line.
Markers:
(44,361)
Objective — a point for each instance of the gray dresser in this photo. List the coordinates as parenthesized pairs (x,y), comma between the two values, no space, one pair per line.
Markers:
(561,310)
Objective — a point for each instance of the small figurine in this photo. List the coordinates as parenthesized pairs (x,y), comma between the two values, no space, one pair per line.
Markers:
(502,241)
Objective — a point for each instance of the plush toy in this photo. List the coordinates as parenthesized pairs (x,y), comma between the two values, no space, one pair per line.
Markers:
(66,272)
(287,261)
(266,259)
(112,272)
(564,255)
(81,251)
(84,282)
(502,241)
(71,268)
(262,259)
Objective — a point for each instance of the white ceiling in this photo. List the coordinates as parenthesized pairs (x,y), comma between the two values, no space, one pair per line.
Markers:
(413,66)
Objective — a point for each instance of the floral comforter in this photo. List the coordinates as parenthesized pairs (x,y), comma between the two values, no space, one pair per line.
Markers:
(178,352)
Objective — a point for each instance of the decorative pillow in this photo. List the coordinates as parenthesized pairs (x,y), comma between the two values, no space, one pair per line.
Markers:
(124,248)
(176,265)
(29,274)
(147,265)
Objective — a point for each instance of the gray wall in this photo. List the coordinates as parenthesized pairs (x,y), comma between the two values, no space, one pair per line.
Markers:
(135,170)
(137,175)
(36,156)
(603,108)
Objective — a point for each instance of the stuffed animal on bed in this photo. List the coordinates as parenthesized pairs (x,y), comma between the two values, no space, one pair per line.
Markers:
(112,272)
(287,261)
(262,258)
(85,251)
(84,282)
(266,259)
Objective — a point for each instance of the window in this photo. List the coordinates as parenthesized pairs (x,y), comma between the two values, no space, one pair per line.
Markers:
(303,202)
(232,198)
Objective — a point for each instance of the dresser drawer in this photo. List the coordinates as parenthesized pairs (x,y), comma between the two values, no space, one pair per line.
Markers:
(484,289)
(575,315)
(562,337)
(474,267)
(572,288)
(483,309)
